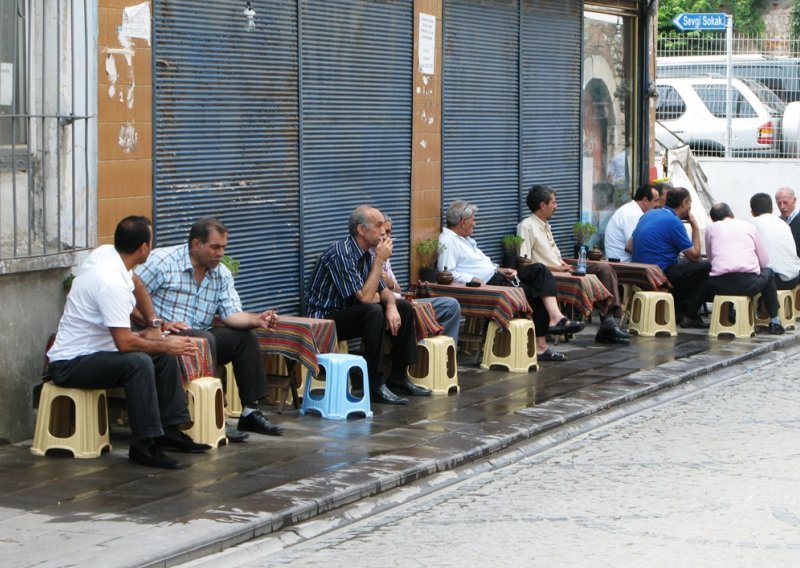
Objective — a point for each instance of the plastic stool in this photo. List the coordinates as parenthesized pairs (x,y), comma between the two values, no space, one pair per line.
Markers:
(336,401)
(207,409)
(786,310)
(513,348)
(234,408)
(796,296)
(436,365)
(720,317)
(651,314)
(71,419)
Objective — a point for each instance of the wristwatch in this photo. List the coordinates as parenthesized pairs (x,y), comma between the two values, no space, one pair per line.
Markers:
(156,323)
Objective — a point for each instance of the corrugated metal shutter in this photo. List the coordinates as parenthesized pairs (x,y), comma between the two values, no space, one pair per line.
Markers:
(551,107)
(480,161)
(226,118)
(356,87)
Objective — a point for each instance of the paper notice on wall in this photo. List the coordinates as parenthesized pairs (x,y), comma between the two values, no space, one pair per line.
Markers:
(6,84)
(427,43)
(136,21)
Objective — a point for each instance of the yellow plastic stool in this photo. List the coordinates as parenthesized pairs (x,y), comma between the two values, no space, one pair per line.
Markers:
(207,409)
(744,326)
(72,419)
(436,367)
(796,296)
(651,314)
(234,408)
(786,310)
(513,348)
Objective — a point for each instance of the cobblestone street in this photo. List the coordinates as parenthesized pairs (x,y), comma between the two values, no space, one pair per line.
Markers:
(709,479)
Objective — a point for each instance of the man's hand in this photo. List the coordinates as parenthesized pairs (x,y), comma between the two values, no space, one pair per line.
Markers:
(508,272)
(383,250)
(180,345)
(267,319)
(392,319)
(176,326)
(151,333)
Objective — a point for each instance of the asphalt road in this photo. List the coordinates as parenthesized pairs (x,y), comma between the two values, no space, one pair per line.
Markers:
(710,479)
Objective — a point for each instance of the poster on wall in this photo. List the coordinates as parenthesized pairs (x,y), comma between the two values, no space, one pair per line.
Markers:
(427,43)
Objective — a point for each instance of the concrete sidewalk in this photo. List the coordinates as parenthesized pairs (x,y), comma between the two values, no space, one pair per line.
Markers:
(57,511)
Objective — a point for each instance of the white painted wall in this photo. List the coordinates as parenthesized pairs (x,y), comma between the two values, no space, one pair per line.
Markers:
(734,181)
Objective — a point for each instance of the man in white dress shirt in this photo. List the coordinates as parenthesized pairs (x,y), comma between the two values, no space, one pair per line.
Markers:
(622,223)
(777,238)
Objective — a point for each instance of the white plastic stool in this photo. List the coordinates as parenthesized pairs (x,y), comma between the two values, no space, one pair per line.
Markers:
(513,348)
(71,419)
(337,401)
(234,408)
(785,309)
(207,409)
(651,314)
(436,367)
(721,323)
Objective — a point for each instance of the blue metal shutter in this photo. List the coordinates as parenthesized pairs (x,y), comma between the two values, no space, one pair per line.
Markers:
(226,143)
(480,160)
(356,87)
(551,107)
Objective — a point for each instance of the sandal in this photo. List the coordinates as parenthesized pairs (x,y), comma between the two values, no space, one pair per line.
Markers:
(550,355)
(565,326)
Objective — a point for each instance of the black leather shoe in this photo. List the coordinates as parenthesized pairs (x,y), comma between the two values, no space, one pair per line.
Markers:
(152,457)
(258,423)
(610,332)
(695,322)
(776,329)
(383,395)
(234,436)
(178,441)
(405,386)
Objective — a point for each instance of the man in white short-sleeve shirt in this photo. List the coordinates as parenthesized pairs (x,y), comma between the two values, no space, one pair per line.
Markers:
(622,223)
(95,347)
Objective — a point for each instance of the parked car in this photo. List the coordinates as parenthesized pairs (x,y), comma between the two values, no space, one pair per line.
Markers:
(693,109)
(780,73)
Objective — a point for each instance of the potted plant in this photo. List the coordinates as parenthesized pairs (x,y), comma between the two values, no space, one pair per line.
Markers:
(511,248)
(583,232)
(231,264)
(428,251)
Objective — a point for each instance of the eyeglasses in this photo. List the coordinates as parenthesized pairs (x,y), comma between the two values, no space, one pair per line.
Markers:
(466,212)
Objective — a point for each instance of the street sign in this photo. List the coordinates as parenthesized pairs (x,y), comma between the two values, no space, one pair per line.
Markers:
(700,22)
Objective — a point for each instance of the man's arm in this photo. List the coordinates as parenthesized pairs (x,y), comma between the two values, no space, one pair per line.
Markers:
(371,285)
(127,342)
(693,254)
(246,320)
(393,319)
(144,312)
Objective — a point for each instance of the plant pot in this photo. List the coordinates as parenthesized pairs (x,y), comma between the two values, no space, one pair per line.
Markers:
(427,274)
(509,260)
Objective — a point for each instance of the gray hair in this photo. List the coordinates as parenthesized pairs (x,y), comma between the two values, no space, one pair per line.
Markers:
(359,216)
(788,190)
(459,210)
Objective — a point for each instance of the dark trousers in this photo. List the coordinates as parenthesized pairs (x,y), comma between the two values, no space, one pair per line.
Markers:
(240,347)
(154,395)
(786,284)
(688,285)
(747,284)
(608,278)
(368,322)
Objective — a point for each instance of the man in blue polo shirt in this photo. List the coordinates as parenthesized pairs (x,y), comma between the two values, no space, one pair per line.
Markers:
(660,238)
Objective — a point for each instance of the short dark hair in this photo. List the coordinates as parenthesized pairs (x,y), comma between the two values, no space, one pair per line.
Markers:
(760,204)
(675,197)
(202,229)
(131,233)
(720,211)
(537,195)
(644,192)
(662,187)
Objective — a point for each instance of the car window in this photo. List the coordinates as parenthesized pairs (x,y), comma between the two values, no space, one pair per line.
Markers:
(774,104)
(713,96)
(670,105)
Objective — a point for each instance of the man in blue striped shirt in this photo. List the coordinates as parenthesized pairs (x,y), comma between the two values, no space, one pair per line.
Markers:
(189,286)
(346,286)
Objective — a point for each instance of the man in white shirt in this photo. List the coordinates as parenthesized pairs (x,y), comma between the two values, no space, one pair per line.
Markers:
(540,246)
(461,255)
(777,238)
(622,223)
(96,349)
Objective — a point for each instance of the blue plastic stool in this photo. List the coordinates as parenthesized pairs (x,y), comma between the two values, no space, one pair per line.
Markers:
(337,402)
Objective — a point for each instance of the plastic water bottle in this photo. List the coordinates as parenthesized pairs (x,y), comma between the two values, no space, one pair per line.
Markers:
(581,269)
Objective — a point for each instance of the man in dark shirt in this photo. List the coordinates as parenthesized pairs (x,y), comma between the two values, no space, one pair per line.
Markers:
(786,201)
(344,286)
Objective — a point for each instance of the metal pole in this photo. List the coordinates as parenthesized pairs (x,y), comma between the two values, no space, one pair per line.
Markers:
(729,90)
